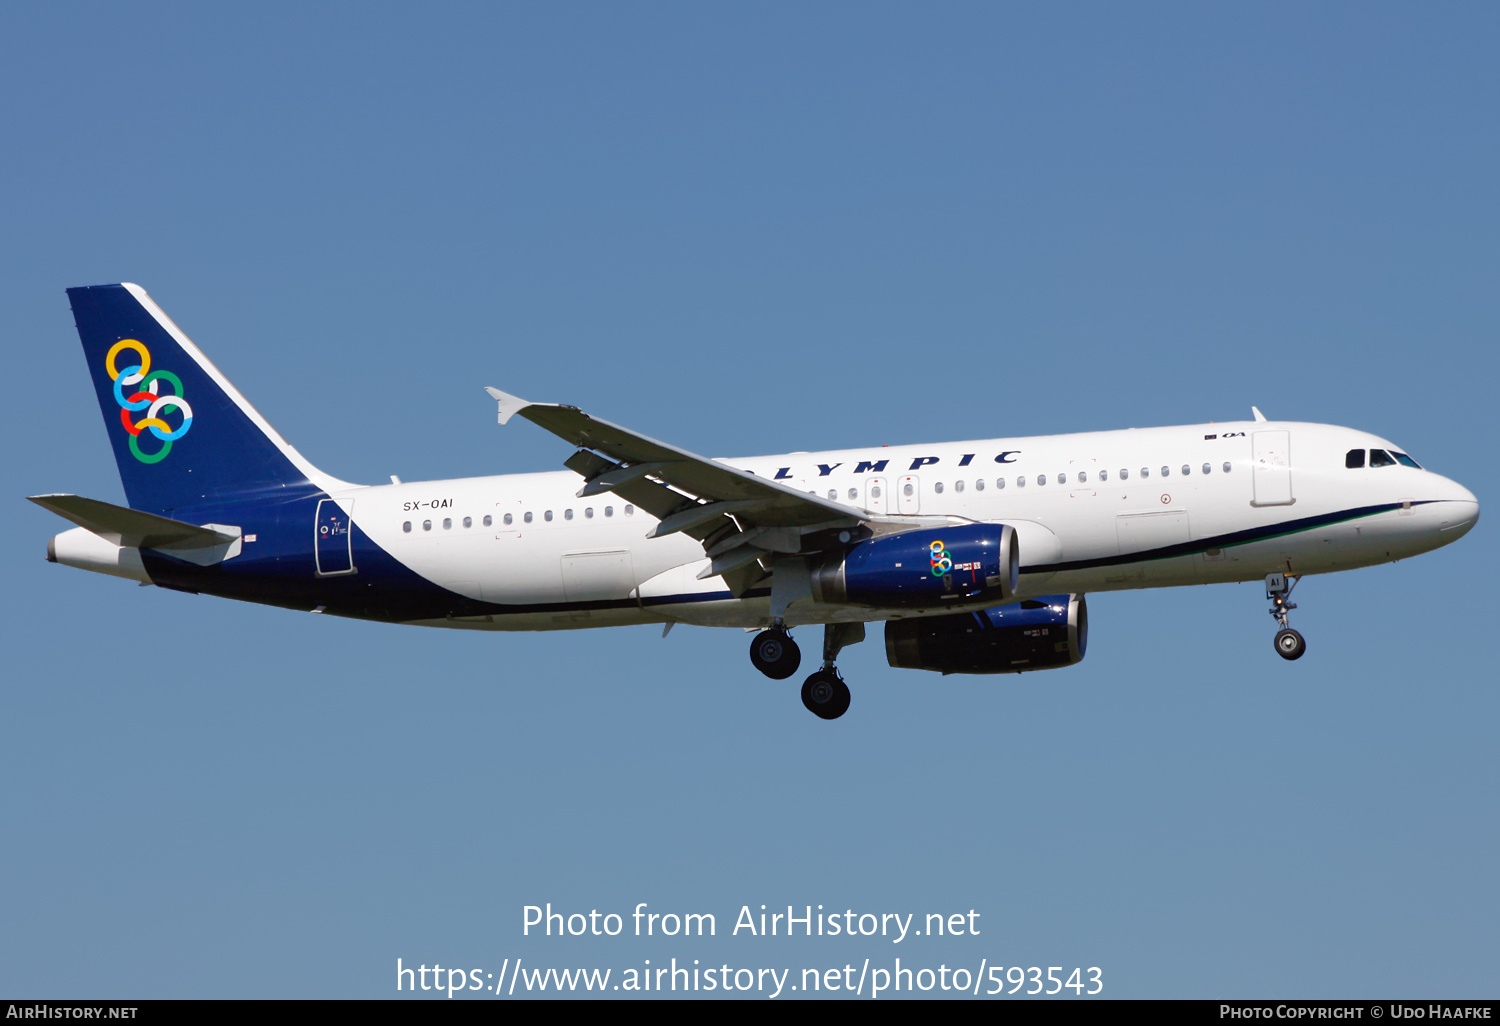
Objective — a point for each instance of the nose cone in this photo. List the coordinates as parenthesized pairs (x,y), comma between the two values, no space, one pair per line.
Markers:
(1458,510)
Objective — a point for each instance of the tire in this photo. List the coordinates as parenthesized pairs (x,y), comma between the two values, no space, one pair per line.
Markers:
(775,654)
(825,695)
(1289,644)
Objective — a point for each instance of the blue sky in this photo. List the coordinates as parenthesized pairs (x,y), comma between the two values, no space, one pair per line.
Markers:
(754,230)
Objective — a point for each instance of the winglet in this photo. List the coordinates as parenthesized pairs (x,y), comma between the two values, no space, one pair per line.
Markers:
(1255,410)
(510,405)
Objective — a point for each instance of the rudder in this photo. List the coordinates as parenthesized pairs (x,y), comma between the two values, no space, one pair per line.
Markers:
(183,436)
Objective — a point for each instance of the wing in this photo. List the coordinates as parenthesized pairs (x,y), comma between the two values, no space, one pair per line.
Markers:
(738,516)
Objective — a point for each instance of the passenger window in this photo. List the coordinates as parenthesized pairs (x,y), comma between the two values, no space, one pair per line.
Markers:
(1145,471)
(979,485)
(405,527)
(588,513)
(629,510)
(1186,469)
(1354,459)
(1062,478)
(1021,481)
(1000,482)
(906,488)
(938,488)
(1227,465)
(527,517)
(1104,475)
(507,520)
(1208,468)
(874,491)
(547,516)
(567,514)
(1381,458)
(447,523)
(1083,477)
(1124,474)
(1041,479)
(427,525)
(1166,471)
(1405,460)
(854,493)
(468,521)
(958,486)
(833,493)
(490,520)
(609,511)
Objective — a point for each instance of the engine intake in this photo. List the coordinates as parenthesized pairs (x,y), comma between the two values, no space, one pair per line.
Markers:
(924,569)
(1037,634)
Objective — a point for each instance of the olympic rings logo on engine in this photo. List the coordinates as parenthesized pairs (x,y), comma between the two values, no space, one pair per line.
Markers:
(145,386)
(942,563)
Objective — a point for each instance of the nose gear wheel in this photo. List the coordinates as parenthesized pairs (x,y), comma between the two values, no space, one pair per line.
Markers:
(1289,644)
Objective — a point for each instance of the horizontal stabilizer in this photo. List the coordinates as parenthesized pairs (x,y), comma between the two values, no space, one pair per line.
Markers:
(132,527)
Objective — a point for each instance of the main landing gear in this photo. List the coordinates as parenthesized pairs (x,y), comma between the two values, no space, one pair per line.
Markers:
(825,694)
(775,654)
(1289,644)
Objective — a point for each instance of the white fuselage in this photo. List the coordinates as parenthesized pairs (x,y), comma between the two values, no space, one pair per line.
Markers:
(1082,506)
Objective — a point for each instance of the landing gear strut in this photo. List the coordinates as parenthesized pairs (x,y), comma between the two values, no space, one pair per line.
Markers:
(824,693)
(1289,644)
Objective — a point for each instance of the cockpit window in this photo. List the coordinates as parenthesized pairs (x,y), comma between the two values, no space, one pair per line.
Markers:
(1405,460)
(1381,458)
(1354,459)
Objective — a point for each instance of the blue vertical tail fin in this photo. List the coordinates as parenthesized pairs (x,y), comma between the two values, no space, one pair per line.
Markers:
(183,435)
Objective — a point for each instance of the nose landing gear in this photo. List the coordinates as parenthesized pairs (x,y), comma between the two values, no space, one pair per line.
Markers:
(1289,644)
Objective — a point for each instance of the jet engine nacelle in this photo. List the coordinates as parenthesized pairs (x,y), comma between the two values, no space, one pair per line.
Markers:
(924,569)
(1037,634)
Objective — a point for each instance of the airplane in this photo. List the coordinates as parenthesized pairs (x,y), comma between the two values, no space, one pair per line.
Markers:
(976,555)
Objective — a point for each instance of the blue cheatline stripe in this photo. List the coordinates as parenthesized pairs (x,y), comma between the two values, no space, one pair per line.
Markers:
(281,571)
(1224,541)
(594,605)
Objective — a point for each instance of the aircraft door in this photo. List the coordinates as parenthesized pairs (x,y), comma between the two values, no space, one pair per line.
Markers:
(332,546)
(875,495)
(909,494)
(1272,468)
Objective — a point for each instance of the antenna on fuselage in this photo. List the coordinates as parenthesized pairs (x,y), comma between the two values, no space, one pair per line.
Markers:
(1258,415)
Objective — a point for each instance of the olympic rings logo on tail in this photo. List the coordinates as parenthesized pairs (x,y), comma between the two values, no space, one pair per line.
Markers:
(145,385)
(942,563)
